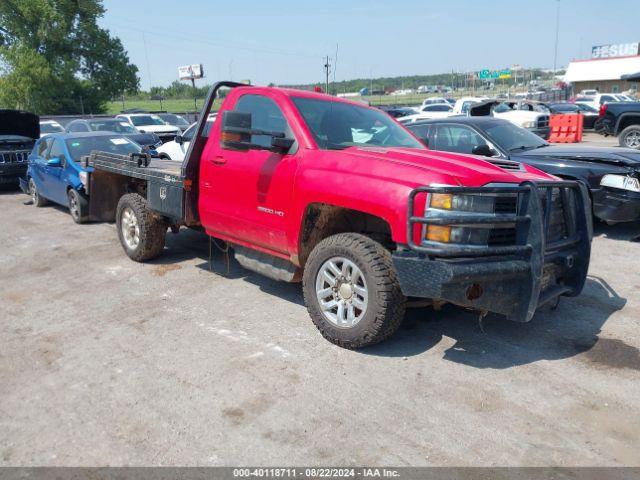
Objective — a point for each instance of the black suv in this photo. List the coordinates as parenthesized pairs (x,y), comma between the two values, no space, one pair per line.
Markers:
(18,132)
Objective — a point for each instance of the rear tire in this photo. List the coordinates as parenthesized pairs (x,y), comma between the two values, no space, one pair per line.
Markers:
(37,199)
(630,137)
(362,279)
(78,206)
(141,232)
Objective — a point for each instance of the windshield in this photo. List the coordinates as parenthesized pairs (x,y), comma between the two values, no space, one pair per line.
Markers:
(141,120)
(437,108)
(565,107)
(586,108)
(80,146)
(512,138)
(174,119)
(338,125)
(51,128)
(119,126)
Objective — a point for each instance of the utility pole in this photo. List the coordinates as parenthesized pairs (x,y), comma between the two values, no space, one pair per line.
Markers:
(195,94)
(555,54)
(327,67)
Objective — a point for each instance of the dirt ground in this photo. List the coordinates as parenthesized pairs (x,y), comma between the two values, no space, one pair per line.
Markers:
(104,361)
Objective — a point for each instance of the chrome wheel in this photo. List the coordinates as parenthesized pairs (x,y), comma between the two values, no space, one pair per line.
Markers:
(130,228)
(632,140)
(342,292)
(74,209)
(33,191)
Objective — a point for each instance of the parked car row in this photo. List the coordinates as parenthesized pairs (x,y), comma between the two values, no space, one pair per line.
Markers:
(611,174)
(147,129)
(309,188)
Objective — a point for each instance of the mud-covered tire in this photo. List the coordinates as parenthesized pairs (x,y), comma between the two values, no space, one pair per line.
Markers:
(385,305)
(149,230)
(630,137)
(37,199)
(78,206)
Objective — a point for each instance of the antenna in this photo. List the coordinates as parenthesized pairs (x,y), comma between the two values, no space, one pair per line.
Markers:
(327,68)
(335,66)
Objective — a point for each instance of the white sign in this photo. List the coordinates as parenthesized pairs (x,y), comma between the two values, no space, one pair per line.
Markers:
(616,50)
(190,72)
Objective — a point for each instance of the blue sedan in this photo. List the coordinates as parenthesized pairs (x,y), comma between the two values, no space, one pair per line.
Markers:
(55,173)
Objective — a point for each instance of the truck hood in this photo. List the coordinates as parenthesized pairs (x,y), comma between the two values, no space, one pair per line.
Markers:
(626,157)
(484,109)
(144,139)
(18,123)
(428,167)
(159,129)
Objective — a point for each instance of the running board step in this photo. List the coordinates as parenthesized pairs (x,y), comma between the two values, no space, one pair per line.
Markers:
(267,265)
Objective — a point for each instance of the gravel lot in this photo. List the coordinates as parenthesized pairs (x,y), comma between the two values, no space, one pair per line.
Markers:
(107,362)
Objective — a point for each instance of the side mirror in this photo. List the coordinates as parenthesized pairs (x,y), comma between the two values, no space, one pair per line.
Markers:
(483,150)
(237,131)
(179,139)
(55,162)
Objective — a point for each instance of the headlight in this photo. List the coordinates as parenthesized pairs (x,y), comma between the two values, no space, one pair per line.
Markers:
(621,182)
(464,203)
(84,179)
(528,124)
(461,203)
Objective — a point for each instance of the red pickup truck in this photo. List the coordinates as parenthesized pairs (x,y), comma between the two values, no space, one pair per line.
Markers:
(335,194)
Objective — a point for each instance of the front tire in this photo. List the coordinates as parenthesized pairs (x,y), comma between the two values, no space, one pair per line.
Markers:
(630,137)
(352,292)
(37,199)
(141,232)
(78,206)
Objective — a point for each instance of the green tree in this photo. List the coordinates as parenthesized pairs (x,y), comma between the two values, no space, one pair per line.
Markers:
(55,59)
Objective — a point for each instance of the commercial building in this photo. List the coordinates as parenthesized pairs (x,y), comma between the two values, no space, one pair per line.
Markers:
(605,70)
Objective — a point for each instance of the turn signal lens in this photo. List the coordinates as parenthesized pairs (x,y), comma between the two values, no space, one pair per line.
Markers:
(441,200)
(230,137)
(438,233)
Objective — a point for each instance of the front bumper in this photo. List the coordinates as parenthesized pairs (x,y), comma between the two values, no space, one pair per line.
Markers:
(12,172)
(616,206)
(603,126)
(510,280)
(543,132)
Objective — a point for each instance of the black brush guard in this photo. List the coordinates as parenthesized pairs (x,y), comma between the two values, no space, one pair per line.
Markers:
(513,280)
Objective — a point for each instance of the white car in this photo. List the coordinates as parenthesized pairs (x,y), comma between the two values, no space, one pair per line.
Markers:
(434,101)
(436,110)
(149,123)
(177,148)
(519,112)
(50,126)
(596,101)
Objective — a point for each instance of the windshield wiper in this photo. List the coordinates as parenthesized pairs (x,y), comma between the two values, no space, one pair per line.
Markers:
(522,147)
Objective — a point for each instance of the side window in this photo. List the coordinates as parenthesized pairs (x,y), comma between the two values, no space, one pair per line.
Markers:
(457,138)
(605,98)
(43,145)
(265,115)
(422,132)
(188,135)
(57,150)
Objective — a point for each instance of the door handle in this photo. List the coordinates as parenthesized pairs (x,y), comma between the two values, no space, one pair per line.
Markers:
(219,160)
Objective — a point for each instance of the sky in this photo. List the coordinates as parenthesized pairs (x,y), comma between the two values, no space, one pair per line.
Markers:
(284,42)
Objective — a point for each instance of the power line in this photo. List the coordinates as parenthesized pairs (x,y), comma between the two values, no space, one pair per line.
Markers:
(268,50)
